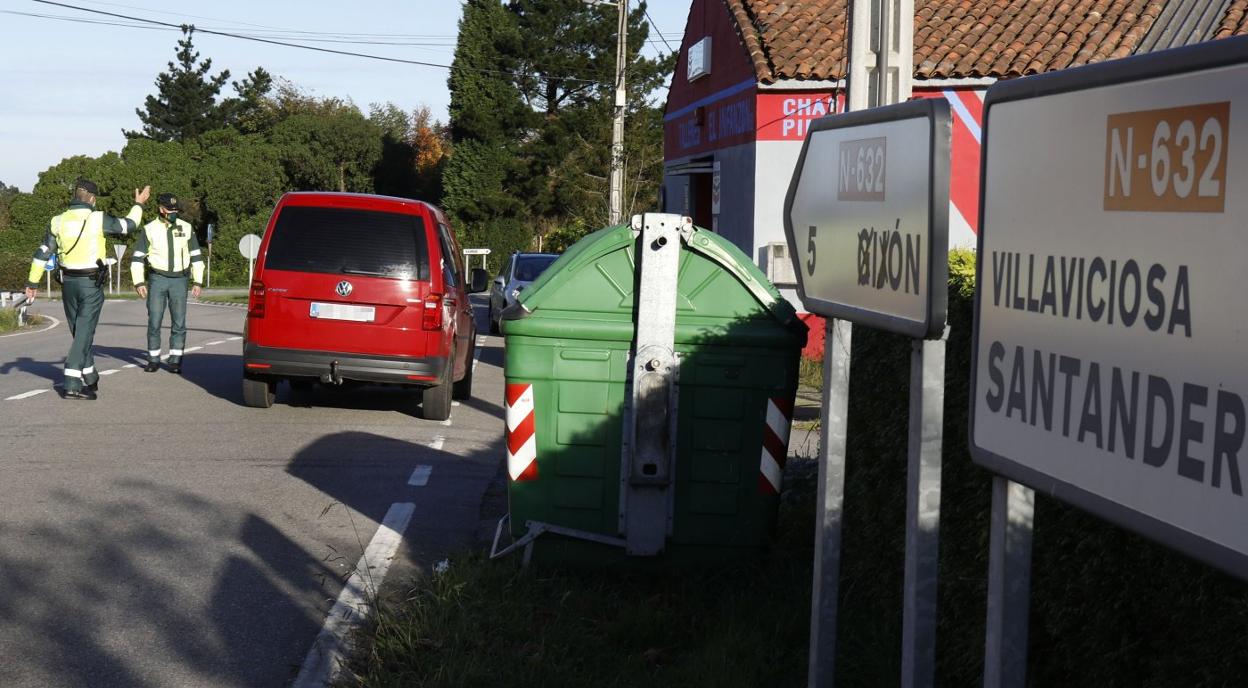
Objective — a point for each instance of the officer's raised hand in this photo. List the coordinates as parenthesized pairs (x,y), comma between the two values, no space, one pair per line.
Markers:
(140,197)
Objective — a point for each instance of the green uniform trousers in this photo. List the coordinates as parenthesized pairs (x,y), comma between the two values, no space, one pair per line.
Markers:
(161,292)
(83,299)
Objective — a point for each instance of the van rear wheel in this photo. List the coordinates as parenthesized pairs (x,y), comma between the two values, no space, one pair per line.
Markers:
(258,392)
(435,402)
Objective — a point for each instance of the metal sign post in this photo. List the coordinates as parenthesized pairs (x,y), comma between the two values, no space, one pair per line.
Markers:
(211,231)
(249,246)
(1107,365)
(469,252)
(1009,584)
(119,250)
(867,223)
(650,418)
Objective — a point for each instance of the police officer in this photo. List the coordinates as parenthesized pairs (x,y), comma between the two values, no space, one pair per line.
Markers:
(168,252)
(76,238)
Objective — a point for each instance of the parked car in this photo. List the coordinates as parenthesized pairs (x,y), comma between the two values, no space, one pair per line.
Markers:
(355,287)
(520,270)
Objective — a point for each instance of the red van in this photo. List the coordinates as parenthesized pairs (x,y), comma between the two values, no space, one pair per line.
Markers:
(355,287)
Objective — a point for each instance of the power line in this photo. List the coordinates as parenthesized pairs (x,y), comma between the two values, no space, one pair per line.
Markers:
(333,51)
(656,30)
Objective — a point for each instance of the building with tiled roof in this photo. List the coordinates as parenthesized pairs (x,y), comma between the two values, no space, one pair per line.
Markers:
(753,74)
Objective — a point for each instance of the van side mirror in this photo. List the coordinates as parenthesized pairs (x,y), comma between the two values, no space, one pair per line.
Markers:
(479,282)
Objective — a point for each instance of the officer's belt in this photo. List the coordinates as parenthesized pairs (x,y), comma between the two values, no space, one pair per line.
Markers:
(84,272)
(166,273)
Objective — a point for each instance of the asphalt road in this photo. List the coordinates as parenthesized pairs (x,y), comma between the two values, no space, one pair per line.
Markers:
(167,535)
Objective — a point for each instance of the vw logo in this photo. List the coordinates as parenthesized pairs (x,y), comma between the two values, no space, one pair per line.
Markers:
(343,288)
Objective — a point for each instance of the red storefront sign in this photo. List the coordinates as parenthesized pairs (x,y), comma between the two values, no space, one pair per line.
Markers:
(787,116)
(724,120)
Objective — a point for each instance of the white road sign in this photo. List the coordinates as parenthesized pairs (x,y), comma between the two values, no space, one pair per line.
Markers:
(249,246)
(867,217)
(1109,334)
(476,252)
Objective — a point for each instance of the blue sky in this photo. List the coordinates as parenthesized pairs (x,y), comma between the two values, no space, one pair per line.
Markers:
(69,88)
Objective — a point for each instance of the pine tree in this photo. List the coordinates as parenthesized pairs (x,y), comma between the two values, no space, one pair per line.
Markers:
(185,105)
(488,116)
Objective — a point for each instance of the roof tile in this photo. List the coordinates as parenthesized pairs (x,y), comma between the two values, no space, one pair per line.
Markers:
(807,39)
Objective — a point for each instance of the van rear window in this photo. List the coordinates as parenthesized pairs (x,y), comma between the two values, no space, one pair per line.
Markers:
(349,242)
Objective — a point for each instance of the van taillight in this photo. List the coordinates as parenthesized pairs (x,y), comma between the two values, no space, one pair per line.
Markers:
(255,306)
(431,317)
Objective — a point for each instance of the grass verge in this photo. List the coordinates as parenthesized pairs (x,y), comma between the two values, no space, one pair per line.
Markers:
(226,299)
(481,621)
(8,320)
(810,373)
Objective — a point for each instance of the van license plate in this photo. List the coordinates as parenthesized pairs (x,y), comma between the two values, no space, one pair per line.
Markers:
(340,311)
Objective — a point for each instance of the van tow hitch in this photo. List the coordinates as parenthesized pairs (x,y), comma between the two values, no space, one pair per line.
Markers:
(333,377)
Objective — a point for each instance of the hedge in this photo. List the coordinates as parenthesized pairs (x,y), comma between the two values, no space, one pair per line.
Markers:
(1108,607)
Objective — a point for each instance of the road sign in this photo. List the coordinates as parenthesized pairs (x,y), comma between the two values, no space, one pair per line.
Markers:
(249,246)
(476,252)
(1109,331)
(867,217)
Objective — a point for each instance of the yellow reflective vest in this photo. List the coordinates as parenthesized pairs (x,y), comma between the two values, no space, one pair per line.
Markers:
(167,249)
(76,238)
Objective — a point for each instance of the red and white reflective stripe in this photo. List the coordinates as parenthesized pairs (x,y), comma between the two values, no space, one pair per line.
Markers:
(521,433)
(775,444)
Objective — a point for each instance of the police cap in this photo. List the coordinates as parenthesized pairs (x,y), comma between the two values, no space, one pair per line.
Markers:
(86,185)
(168,201)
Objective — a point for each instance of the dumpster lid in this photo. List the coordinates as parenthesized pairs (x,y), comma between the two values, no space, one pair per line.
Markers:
(706,243)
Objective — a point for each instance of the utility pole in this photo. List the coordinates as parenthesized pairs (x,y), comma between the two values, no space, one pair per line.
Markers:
(617,126)
(616,215)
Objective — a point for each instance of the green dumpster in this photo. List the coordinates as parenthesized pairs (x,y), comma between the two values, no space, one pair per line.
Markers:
(648,400)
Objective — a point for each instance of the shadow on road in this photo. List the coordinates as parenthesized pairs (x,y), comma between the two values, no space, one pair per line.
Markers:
(118,587)
(123,598)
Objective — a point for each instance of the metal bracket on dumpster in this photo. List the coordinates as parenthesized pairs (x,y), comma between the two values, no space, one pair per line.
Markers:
(650,420)
(536,529)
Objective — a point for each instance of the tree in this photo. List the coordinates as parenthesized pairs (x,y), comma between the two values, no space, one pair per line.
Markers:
(488,116)
(185,105)
(249,110)
(329,152)
(569,63)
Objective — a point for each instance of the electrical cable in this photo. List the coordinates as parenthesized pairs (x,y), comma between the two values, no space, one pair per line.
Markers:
(656,29)
(306,47)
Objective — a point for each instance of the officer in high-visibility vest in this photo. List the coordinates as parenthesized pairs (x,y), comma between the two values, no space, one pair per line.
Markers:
(168,253)
(76,238)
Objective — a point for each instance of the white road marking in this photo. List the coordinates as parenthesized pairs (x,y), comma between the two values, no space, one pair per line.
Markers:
(446,422)
(420,476)
(477,358)
(25,395)
(131,365)
(328,652)
(55,322)
(436,443)
(193,348)
(219,341)
(109,372)
(233,339)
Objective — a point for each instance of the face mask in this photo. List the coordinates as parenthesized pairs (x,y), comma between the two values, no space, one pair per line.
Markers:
(173,218)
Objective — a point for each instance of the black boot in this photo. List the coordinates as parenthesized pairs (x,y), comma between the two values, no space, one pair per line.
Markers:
(86,394)
(152,366)
(175,366)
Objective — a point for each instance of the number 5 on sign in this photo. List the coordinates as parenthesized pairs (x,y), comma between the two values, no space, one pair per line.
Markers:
(810,248)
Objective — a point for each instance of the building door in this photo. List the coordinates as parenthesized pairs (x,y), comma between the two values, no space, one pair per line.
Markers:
(700,200)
